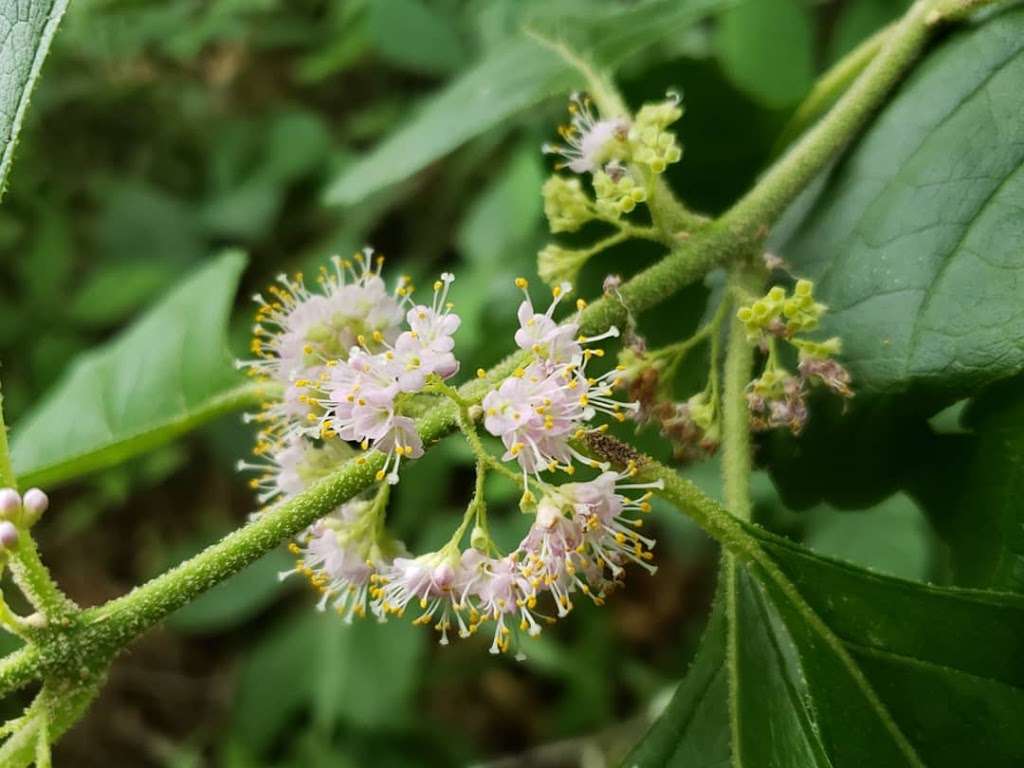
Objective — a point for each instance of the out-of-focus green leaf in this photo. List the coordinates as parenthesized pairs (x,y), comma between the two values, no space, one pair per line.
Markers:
(972,485)
(892,537)
(114,291)
(363,673)
(165,374)
(515,76)
(915,241)
(413,35)
(859,20)
(139,218)
(498,239)
(28,27)
(257,164)
(931,677)
(767,48)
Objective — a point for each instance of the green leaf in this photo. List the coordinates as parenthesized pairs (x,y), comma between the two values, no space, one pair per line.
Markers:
(363,673)
(859,20)
(927,676)
(915,242)
(26,29)
(512,78)
(751,36)
(972,486)
(497,247)
(410,34)
(112,292)
(892,537)
(164,375)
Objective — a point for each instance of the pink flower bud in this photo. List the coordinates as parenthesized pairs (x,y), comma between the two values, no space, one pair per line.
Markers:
(443,576)
(10,503)
(8,535)
(35,503)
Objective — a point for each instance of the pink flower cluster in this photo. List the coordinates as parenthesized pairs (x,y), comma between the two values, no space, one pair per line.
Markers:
(298,332)
(580,541)
(349,372)
(541,407)
(363,392)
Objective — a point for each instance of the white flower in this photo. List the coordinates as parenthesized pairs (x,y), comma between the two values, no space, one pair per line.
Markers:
(426,348)
(363,393)
(497,590)
(340,556)
(429,581)
(589,142)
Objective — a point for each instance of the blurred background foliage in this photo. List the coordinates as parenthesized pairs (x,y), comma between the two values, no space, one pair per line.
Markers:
(163,130)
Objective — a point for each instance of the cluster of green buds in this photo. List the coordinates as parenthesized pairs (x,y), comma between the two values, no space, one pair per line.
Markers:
(781,315)
(617,191)
(778,398)
(623,156)
(653,146)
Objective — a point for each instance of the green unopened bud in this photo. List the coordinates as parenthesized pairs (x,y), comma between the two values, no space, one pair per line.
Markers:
(772,383)
(479,539)
(650,143)
(818,350)
(801,311)
(617,191)
(566,205)
(702,412)
(557,265)
(661,114)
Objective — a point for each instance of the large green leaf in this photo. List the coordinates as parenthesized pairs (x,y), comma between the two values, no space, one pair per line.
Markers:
(750,36)
(515,76)
(973,485)
(26,30)
(922,675)
(167,373)
(915,241)
(364,674)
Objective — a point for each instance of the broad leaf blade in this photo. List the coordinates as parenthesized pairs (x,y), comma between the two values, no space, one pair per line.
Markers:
(750,36)
(514,77)
(364,674)
(163,375)
(26,29)
(972,484)
(915,241)
(943,663)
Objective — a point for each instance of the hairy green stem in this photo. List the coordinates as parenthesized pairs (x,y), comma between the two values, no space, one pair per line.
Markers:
(35,581)
(739,360)
(829,137)
(831,85)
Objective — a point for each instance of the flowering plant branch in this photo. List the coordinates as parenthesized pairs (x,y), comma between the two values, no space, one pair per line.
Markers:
(364,380)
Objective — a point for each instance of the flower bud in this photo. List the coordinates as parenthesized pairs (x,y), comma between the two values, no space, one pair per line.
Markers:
(556,265)
(617,191)
(10,503)
(34,504)
(479,539)
(8,535)
(566,205)
(651,144)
